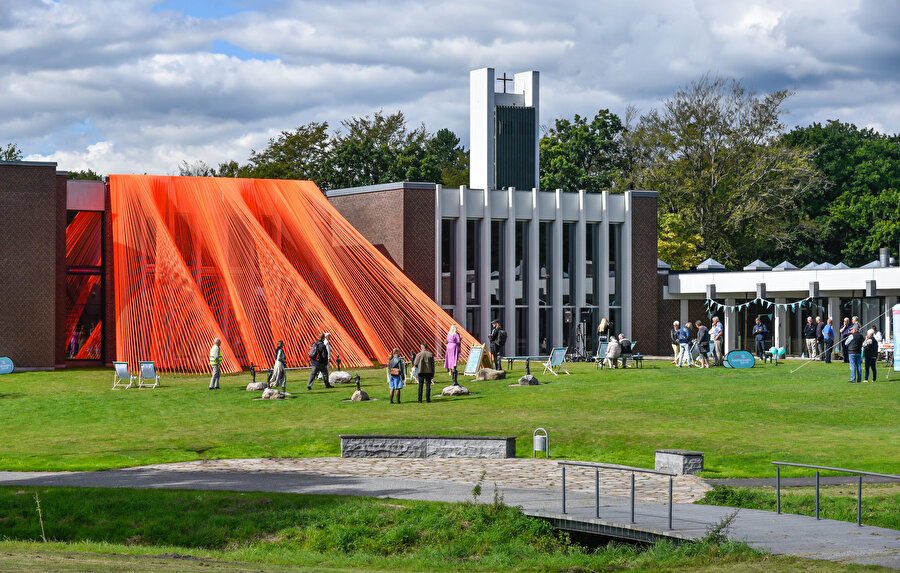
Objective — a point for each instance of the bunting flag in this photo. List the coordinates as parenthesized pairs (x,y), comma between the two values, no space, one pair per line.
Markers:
(714,305)
(254,261)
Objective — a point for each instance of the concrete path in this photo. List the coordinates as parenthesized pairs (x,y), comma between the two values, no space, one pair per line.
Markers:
(781,534)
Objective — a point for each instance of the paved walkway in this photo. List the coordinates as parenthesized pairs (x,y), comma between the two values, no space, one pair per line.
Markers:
(522,482)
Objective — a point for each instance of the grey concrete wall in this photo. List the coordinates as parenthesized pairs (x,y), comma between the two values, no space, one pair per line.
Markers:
(374,446)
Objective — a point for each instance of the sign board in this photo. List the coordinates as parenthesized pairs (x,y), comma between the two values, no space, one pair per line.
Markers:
(478,358)
(740,359)
(895,311)
(6,365)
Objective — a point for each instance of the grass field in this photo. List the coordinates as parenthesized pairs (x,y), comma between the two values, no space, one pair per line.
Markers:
(741,419)
(121,529)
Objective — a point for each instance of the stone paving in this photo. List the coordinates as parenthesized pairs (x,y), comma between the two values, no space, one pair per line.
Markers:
(511,472)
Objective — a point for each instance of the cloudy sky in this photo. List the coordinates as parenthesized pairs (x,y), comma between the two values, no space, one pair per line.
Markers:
(136,86)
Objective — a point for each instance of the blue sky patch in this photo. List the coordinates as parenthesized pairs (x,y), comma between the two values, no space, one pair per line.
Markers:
(229,49)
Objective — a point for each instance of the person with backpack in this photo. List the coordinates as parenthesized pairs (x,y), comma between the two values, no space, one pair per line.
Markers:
(497,339)
(318,357)
(684,345)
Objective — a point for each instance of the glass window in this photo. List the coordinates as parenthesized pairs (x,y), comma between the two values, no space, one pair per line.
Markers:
(498,241)
(448,260)
(473,322)
(615,256)
(473,260)
(545,256)
(568,264)
(521,262)
(592,262)
(84,285)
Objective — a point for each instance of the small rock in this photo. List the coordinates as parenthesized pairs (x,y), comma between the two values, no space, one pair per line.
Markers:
(528,380)
(455,391)
(256,386)
(272,394)
(490,374)
(359,396)
(339,377)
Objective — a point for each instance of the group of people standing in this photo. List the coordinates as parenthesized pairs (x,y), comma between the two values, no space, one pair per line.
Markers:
(709,340)
(847,343)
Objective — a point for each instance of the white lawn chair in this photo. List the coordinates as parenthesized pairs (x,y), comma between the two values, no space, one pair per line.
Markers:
(121,374)
(148,377)
(557,361)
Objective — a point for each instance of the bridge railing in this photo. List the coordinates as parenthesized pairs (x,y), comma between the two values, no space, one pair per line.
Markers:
(597,467)
(858,473)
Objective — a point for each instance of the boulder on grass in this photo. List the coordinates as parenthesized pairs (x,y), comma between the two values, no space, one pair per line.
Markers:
(455,391)
(273,394)
(256,386)
(360,396)
(339,377)
(528,380)
(490,374)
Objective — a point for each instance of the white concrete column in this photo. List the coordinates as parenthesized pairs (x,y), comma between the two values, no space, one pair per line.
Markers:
(730,326)
(558,271)
(509,281)
(889,302)
(580,266)
(484,267)
(534,274)
(459,270)
(834,311)
(683,311)
(781,324)
(603,304)
(626,270)
(481,126)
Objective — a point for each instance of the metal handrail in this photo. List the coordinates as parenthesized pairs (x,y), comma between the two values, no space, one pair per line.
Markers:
(597,467)
(859,473)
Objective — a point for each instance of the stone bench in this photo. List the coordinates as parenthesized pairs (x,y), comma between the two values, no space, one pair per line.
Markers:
(389,446)
(679,461)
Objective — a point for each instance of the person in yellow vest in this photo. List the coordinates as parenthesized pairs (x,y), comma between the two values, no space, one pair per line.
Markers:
(215,359)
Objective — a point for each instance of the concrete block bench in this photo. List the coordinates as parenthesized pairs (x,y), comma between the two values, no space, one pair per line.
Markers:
(392,446)
(679,461)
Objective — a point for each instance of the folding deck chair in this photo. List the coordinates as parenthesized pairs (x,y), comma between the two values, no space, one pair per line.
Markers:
(121,374)
(148,377)
(557,361)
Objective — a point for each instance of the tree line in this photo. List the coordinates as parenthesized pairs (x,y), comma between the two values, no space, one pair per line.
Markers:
(734,183)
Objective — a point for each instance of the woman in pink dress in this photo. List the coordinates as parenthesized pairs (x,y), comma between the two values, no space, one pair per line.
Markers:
(451,357)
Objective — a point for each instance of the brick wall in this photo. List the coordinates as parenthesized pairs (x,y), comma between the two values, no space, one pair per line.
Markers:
(418,238)
(28,264)
(378,216)
(59,340)
(669,312)
(645,290)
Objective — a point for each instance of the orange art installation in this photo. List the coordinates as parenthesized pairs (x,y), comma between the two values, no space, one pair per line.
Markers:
(253,261)
(82,250)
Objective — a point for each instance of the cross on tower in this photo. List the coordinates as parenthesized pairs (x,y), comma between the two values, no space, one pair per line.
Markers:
(505,79)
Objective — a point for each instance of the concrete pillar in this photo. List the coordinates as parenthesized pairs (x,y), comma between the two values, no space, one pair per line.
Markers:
(459,268)
(509,272)
(683,311)
(781,324)
(580,270)
(834,311)
(438,226)
(889,302)
(603,304)
(557,271)
(484,267)
(534,274)
(730,326)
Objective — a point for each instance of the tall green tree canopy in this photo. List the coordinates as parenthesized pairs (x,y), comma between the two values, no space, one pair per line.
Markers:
(10,153)
(579,154)
(714,154)
(855,207)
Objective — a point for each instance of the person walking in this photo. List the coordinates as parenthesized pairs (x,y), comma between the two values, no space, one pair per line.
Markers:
(396,374)
(809,337)
(215,361)
(703,344)
(451,356)
(820,340)
(673,334)
(318,356)
(717,333)
(760,332)
(424,363)
(853,348)
(870,355)
(828,336)
(498,340)
(684,345)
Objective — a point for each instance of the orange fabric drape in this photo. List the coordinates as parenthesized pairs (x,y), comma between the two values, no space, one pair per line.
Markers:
(253,261)
(83,250)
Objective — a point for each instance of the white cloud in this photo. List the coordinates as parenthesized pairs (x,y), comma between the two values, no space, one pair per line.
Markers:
(119,87)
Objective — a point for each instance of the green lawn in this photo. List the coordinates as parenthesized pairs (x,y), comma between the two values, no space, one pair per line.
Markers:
(89,529)
(741,419)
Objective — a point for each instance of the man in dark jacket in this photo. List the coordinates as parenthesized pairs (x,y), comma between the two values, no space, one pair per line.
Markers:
(424,364)
(318,356)
(809,337)
(820,338)
(760,332)
(497,339)
(853,348)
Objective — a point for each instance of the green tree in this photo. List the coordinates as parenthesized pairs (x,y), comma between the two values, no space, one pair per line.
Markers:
(714,154)
(677,244)
(580,155)
(851,208)
(11,153)
(88,175)
(298,154)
